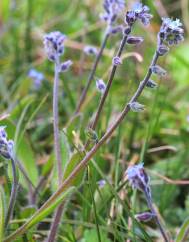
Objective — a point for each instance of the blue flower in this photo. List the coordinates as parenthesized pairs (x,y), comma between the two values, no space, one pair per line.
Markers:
(139,12)
(54,44)
(171,31)
(6,146)
(112,9)
(138,178)
(37,77)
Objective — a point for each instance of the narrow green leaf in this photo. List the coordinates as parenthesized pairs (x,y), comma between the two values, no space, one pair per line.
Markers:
(181,237)
(73,162)
(39,216)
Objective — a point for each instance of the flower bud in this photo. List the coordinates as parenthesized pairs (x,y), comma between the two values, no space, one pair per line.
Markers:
(162,50)
(65,66)
(144,217)
(90,50)
(151,84)
(134,40)
(127,31)
(158,70)
(101,183)
(92,135)
(136,107)
(117,61)
(115,30)
(101,86)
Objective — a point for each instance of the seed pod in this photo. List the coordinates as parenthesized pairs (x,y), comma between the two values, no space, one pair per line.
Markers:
(65,66)
(90,50)
(163,50)
(136,107)
(144,217)
(134,40)
(158,70)
(151,84)
(115,30)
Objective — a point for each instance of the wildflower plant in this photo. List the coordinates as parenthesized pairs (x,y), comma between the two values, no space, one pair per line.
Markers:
(171,33)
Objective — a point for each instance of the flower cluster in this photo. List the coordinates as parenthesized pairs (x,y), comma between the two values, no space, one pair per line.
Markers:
(138,12)
(171,31)
(138,178)
(54,45)
(112,10)
(6,146)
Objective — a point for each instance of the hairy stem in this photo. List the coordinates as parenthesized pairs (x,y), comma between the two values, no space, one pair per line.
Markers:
(149,202)
(92,73)
(58,213)
(13,193)
(83,163)
(56,121)
(112,74)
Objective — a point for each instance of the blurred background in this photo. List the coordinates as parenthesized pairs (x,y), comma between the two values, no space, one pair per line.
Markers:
(159,136)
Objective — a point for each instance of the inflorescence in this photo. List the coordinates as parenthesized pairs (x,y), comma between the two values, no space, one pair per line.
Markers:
(6,146)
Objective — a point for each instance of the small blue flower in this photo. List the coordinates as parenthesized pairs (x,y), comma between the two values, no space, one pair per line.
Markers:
(139,12)
(138,178)
(101,183)
(37,77)
(112,10)
(171,31)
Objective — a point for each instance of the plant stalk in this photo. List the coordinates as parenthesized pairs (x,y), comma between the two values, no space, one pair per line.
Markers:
(149,202)
(13,193)
(112,74)
(58,213)
(92,73)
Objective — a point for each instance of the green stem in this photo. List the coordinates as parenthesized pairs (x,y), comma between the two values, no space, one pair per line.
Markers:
(13,193)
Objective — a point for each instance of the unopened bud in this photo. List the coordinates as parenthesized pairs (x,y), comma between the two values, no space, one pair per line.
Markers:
(117,61)
(158,70)
(101,86)
(92,135)
(101,183)
(145,217)
(90,50)
(65,66)
(127,31)
(134,40)
(162,50)
(136,107)
(115,30)
(151,84)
